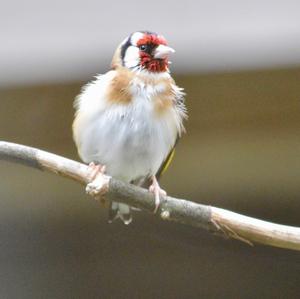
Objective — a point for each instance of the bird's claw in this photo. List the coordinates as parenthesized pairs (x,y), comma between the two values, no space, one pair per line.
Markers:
(94,170)
(158,192)
(98,185)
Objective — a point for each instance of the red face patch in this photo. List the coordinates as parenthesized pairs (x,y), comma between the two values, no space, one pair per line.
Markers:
(147,60)
(153,65)
(152,39)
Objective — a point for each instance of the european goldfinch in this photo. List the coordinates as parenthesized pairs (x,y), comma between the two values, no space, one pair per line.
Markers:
(130,118)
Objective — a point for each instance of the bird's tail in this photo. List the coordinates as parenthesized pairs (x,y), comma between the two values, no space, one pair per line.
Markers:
(119,210)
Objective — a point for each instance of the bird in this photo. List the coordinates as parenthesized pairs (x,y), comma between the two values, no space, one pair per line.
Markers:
(128,121)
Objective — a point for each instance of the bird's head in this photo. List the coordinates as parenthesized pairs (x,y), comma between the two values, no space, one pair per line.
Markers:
(143,50)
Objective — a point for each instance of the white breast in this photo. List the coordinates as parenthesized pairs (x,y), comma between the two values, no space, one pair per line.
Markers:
(129,139)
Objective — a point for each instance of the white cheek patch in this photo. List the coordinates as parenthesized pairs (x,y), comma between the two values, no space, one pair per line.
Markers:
(136,37)
(132,57)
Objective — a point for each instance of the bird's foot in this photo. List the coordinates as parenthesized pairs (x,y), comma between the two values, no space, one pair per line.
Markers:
(157,191)
(94,170)
(98,185)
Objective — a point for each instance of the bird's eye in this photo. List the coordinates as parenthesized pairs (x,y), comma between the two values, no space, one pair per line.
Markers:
(143,47)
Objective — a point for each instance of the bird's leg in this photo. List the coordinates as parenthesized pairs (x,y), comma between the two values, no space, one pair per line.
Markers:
(98,181)
(155,188)
(94,170)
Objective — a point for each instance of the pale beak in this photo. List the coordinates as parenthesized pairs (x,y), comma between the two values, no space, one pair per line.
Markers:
(162,52)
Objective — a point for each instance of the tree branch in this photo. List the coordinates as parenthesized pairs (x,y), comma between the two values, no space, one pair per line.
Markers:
(220,221)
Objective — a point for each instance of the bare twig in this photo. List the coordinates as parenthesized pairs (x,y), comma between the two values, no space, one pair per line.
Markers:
(224,222)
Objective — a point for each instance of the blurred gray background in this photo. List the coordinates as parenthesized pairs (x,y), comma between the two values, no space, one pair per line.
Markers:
(239,62)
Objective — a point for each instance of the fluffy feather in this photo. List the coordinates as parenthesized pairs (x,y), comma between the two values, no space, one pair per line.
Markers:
(131,138)
(129,119)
